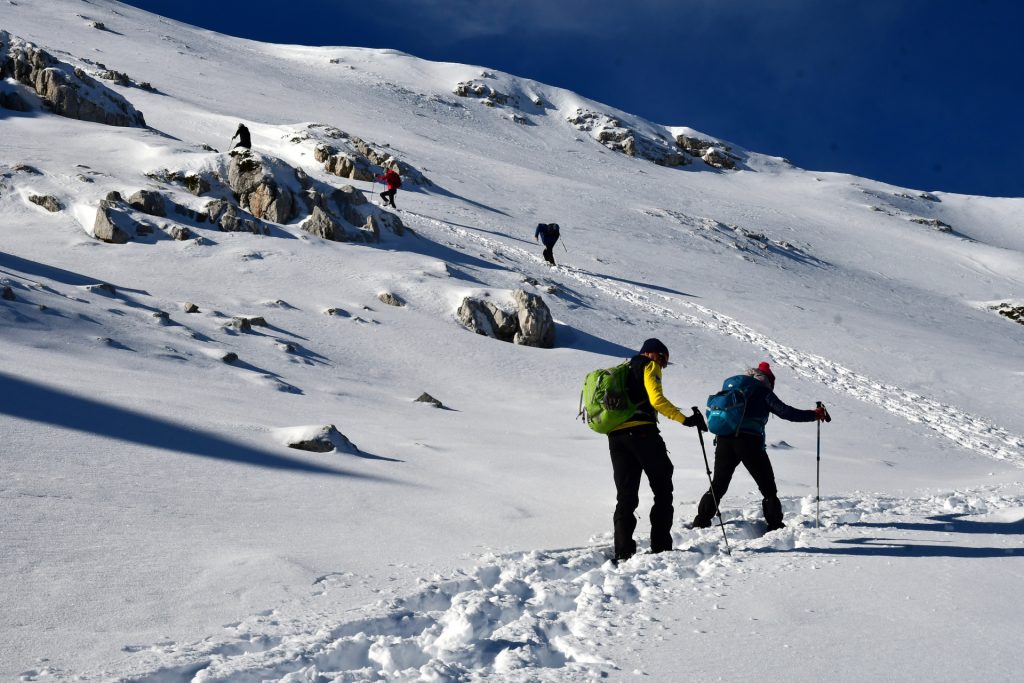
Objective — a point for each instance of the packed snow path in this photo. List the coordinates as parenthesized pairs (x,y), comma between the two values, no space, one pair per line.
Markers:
(548,615)
(962,428)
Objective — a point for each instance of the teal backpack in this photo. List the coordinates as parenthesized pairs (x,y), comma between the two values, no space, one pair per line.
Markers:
(728,407)
(604,401)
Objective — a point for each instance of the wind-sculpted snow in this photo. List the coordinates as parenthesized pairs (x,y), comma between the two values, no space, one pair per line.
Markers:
(551,615)
(966,430)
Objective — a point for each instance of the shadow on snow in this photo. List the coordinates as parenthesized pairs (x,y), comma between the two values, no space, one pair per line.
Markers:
(30,401)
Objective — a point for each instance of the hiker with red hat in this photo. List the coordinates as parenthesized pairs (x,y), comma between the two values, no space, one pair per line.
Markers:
(393,181)
(744,442)
(637,448)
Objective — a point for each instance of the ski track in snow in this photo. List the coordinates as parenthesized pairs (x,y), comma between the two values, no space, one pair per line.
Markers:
(964,429)
(540,615)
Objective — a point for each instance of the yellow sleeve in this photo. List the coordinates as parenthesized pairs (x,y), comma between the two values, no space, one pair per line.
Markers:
(652,381)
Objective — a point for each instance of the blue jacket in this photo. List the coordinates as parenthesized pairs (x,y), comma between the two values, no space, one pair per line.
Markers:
(761,403)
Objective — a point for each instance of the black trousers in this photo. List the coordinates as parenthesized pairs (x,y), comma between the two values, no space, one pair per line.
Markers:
(388,196)
(637,451)
(549,254)
(730,451)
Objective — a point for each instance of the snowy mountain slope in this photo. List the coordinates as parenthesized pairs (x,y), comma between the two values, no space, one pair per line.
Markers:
(149,502)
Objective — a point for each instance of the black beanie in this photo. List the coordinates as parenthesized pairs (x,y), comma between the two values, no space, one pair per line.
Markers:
(653,346)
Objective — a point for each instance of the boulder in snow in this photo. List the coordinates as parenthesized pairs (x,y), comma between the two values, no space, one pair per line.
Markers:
(316,438)
(47,201)
(427,398)
(148,202)
(113,224)
(536,326)
(391,299)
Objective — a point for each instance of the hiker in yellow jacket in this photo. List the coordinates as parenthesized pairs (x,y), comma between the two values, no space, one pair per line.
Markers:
(637,448)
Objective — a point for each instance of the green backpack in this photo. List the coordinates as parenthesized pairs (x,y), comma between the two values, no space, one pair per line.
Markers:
(604,401)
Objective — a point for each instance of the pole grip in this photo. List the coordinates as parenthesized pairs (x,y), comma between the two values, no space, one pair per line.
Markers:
(828,418)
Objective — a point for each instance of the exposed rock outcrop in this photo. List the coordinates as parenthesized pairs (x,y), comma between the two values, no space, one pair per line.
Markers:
(1008,310)
(614,135)
(713,153)
(485,93)
(257,189)
(66,90)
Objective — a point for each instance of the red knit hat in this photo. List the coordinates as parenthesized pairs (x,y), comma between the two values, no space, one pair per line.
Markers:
(766,370)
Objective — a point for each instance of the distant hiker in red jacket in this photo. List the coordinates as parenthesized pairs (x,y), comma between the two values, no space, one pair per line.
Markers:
(393,181)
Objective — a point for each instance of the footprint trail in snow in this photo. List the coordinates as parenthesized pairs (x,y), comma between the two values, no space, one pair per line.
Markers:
(963,429)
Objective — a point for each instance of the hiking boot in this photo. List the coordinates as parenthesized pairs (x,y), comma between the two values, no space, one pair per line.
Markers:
(699,523)
(776,526)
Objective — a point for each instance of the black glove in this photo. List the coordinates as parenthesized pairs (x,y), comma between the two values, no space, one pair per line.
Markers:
(696,420)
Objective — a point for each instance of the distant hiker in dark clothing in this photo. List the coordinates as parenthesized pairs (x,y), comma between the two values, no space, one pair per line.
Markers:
(747,447)
(548,234)
(393,182)
(243,137)
(637,448)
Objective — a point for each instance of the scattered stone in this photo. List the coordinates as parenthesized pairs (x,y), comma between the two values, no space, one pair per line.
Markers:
(506,324)
(114,196)
(427,398)
(190,307)
(162,316)
(391,299)
(82,178)
(320,440)
(148,202)
(7,294)
(102,288)
(286,347)
(241,324)
(229,357)
(340,312)
(933,222)
(176,231)
(257,320)
(25,168)
(47,201)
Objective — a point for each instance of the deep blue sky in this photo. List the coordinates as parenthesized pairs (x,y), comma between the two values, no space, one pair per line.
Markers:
(926,94)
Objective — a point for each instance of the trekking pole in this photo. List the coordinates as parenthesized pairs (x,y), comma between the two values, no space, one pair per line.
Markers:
(563,247)
(817,498)
(373,187)
(711,486)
